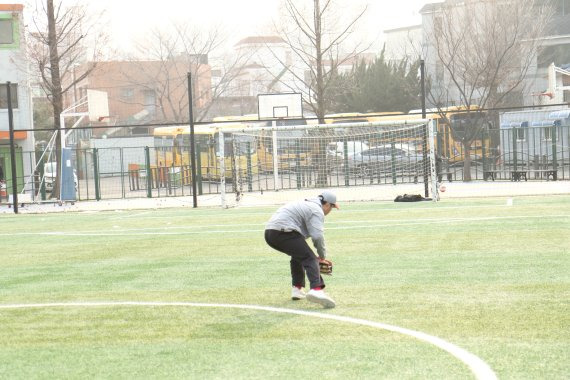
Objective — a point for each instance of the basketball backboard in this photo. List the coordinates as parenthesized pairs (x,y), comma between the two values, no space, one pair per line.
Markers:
(97,104)
(272,106)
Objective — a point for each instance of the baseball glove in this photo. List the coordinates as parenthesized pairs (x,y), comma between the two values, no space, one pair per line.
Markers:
(326,266)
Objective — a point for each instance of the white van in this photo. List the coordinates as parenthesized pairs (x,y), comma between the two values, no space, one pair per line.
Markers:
(50,172)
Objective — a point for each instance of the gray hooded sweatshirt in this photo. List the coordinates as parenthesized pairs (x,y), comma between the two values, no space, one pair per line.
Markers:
(306,217)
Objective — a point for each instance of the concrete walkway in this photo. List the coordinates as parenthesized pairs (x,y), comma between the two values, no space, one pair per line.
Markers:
(344,194)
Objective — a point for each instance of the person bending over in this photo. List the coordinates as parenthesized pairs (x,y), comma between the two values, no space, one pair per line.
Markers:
(287,231)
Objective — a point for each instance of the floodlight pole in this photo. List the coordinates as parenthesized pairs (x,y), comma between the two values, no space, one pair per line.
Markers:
(192,143)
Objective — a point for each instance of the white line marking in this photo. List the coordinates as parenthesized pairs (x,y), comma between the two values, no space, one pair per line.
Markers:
(216,213)
(206,229)
(480,369)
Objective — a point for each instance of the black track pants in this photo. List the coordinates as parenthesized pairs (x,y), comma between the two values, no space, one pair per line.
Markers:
(303,260)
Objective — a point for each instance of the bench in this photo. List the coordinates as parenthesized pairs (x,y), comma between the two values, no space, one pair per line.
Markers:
(518,175)
(491,174)
(514,175)
(547,173)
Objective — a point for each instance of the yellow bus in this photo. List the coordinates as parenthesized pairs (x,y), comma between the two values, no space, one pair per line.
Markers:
(172,145)
(452,123)
(292,148)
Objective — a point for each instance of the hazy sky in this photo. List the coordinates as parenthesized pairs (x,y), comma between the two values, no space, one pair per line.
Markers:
(241,18)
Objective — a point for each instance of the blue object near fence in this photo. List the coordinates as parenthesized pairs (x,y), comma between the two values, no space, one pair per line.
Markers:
(68,192)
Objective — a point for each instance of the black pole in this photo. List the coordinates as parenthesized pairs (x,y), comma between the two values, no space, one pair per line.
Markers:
(12,149)
(423,86)
(192,143)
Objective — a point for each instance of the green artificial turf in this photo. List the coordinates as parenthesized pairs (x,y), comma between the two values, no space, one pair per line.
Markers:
(490,278)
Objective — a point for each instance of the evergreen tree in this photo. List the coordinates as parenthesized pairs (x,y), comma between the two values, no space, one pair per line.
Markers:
(379,86)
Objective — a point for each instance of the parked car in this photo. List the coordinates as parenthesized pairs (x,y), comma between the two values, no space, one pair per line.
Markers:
(384,159)
(336,151)
(50,172)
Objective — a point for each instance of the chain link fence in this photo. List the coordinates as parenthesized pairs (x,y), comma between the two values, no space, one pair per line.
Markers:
(519,145)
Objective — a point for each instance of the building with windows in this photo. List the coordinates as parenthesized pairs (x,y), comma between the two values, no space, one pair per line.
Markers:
(261,65)
(403,43)
(14,69)
(143,92)
(553,48)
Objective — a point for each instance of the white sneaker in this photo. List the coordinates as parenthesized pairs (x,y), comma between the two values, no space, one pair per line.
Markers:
(297,294)
(320,297)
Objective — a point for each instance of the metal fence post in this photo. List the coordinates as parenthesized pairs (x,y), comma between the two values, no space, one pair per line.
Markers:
(123,191)
(483,155)
(43,182)
(298,163)
(345,160)
(393,161)
(14,172)
(515,161)
(96,174)
(249,175)
(554,155)
(148,172)
(199,169)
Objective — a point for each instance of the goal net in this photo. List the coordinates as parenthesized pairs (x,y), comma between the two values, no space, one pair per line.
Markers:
(362,160)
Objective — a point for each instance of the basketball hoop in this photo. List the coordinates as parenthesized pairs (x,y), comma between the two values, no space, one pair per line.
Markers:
(550,95)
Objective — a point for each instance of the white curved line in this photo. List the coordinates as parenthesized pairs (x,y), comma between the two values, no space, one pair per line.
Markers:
(480,369)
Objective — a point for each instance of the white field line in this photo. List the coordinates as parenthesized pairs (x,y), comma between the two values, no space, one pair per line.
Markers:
(207,229)
(229,214)
(480,369)
(135,215)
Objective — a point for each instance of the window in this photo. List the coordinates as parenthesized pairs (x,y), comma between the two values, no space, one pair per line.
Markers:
(9,31)
(562,7)
(288,59)
(150,102)
(127,93)
(439,70)
(547,133)
(438,25)
(4,95)
(6,31)
(559,54)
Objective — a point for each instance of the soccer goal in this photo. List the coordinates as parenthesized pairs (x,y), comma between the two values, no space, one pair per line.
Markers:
(359,160)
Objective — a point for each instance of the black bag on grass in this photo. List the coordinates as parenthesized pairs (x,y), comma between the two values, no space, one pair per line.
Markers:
(411,198)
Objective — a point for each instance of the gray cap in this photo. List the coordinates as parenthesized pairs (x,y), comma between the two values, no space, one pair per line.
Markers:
(329,197)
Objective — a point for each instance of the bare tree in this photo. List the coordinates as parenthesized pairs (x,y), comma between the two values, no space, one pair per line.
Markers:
(58,42)
(482,51)
(170,56)
(317,36)
(317,33)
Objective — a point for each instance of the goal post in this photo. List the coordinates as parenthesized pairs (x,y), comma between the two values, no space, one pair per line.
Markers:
(363,160)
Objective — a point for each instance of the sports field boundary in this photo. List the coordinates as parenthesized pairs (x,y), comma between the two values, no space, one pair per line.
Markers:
(454,190)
